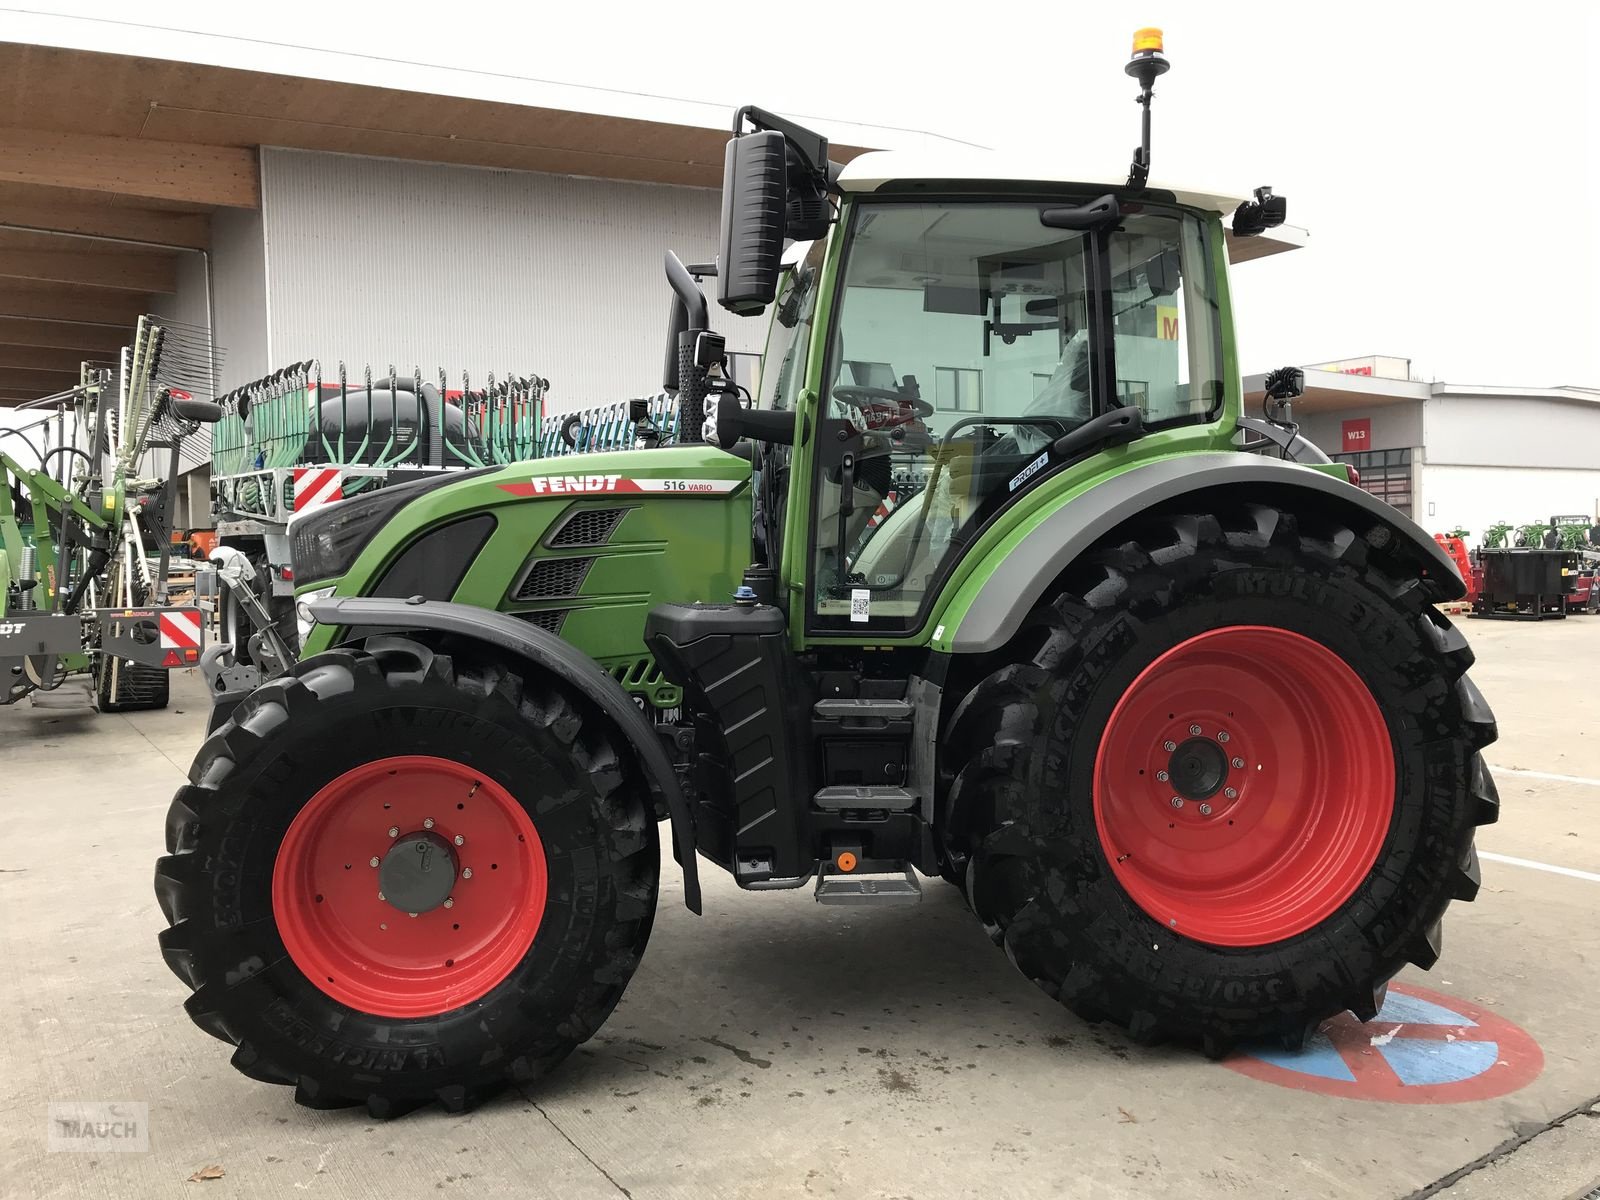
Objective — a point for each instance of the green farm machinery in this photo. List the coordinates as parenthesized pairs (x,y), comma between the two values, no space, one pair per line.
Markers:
(1540,570)
(296,441)
(1166,697)
(85,529)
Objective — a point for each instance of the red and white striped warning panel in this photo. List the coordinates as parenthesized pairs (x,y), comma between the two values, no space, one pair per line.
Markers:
(180,629)
(316,486)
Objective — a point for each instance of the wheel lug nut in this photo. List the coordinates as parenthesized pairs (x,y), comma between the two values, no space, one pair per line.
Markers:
(1222,735)
(373,861)
(1162,776)
(394,831)
(1205,810)
(1169,746)
(1238,763)
(460,841)
(1194,730)
(413,916)
(1177,802)
(449,902)
(427,822)
(466,873)
(1231,793)
(381,896)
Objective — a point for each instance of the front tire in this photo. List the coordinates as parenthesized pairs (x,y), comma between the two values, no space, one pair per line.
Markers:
(1232,787)
(501,813)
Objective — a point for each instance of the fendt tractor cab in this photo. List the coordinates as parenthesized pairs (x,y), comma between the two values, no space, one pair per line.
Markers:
(990,579)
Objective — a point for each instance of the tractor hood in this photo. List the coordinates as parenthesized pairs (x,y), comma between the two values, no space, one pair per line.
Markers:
(696,470)
(581,545)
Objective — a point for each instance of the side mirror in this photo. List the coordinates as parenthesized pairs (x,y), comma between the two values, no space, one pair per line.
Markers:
(755,186)
(186,408)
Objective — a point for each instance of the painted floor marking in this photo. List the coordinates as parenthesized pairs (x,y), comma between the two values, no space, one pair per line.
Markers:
(1543,775)
(1591,876)
(1423,1048)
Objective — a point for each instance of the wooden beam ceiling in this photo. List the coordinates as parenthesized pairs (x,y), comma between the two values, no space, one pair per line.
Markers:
(224,176)
(105,341)
(29,206)
(41,383)
(40,358)
(61,302)
(93,264)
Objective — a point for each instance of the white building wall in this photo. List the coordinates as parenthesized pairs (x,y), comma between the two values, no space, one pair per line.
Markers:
(1474,498)
(426,265)
(1395,426)
(1526,431)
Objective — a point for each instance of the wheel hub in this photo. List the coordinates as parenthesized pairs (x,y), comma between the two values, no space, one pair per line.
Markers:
(418,873)
(409,885)
(1244,785)
(1198,768)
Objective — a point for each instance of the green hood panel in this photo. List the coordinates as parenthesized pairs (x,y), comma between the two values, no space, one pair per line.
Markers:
(672,524)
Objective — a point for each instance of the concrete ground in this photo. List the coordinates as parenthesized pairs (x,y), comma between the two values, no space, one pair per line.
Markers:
(777,1047)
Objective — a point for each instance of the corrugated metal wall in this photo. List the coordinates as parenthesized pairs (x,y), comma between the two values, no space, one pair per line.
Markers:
(188,306)
(380,261)
(239,294)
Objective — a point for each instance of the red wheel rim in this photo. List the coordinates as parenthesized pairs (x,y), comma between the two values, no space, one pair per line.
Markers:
(362,950)
(1299,813)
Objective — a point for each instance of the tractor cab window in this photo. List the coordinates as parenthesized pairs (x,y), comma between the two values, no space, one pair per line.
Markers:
(783,373)
(966,343)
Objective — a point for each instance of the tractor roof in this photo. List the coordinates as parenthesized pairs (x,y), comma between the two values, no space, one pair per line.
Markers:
(869,172)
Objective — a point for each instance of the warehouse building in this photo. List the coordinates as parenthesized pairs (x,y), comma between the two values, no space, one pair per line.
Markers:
(327,219)
(339,220)
(1453,455)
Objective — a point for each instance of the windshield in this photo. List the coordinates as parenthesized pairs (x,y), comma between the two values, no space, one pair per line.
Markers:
(783,363)
(968,341)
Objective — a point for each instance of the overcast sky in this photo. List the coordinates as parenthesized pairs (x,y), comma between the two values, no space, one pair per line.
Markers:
(1444,163)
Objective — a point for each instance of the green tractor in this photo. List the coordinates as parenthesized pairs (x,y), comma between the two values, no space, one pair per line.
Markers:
(989,580)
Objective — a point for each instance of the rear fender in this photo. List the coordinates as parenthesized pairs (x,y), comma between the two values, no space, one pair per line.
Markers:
(538,650)
(1015,580)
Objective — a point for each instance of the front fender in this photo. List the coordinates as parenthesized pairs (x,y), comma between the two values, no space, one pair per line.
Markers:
(544,651)
(1017,576)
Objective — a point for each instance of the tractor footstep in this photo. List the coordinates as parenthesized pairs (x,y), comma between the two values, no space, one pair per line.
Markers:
(869,889)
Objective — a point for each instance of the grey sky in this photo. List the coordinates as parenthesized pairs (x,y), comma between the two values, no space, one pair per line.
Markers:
(1445,164)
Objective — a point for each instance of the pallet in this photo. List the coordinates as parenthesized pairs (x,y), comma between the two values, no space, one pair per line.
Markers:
(1455,608)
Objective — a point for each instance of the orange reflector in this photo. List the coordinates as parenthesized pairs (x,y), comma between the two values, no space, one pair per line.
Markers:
(190,654)
(171,659)
(1147,39)
(846,862)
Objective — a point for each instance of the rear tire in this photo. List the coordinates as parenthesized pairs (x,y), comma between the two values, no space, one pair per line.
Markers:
(1077,871)
(252,843)
(124,686)
(121,685)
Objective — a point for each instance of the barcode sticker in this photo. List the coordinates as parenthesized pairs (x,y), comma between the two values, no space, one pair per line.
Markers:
(860,604)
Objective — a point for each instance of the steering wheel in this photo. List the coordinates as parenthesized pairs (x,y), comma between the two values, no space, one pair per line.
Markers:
(864,397)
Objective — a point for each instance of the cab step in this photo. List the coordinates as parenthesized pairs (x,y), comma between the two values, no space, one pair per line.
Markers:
(869,889)
(887,797)
(858,708)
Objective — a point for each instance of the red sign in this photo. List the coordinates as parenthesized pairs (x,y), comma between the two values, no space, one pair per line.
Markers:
(1424,1048)
(1357,435)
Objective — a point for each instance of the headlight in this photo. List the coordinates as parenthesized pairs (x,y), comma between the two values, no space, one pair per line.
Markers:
(324,544)
(303,623)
